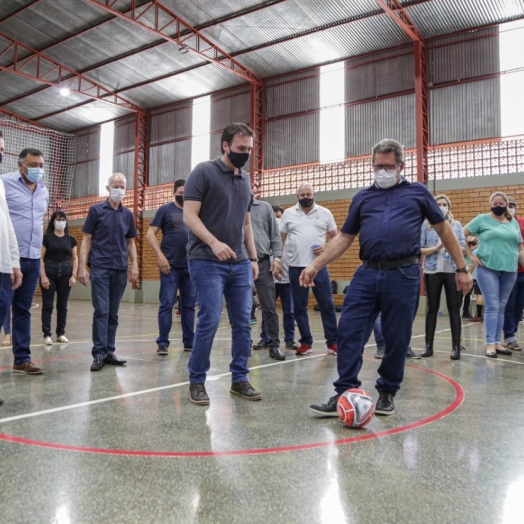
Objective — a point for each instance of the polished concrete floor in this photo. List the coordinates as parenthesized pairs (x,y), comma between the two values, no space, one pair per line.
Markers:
(126,445)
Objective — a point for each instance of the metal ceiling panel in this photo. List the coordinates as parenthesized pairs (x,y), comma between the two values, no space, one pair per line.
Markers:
(333,44)
(77,118)
(439,17)
(14,86)
(190,84)
(283,20)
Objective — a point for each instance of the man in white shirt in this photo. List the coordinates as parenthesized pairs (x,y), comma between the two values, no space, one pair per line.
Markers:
(305,229)
(10,275)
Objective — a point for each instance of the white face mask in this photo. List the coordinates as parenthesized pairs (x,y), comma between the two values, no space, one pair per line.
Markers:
(60,225)
(444,210)
(278,220)
(512,211)
(386,179)
(117,194)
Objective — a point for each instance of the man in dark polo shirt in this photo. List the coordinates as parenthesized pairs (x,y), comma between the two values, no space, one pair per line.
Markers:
(268,245)
(222,258)
(109,239)
(387,217)
(174,275)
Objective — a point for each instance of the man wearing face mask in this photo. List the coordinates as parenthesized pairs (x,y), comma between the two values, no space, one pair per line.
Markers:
(174,274)
(28,200)
(515,303)
(222,258)
(388,217)
(305,228)
(108,241)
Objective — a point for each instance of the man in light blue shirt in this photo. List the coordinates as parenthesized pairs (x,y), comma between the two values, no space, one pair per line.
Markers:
(27,200)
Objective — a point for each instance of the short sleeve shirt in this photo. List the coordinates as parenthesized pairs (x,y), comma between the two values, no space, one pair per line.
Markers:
(170,220)
(305,231)
(110,229)
(226,198)
(498,242)
(58,249)
(388,221)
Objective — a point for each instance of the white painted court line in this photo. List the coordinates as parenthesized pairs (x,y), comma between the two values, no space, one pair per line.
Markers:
(143,392)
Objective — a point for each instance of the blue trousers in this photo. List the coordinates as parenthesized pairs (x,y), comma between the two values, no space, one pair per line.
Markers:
(393,293)
(178,279)
(213,281)
(513,310)
(324,295)
(107,290)
(21,309)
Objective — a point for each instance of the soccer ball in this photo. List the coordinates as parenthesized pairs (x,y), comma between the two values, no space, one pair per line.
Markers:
(355,408)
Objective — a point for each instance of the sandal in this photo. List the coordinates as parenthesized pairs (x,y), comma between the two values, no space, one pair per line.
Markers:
(514,346)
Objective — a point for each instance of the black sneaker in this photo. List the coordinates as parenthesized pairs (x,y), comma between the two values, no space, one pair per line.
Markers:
(379,353)
(261,344)
(198,395)
(411,354)
(291,344)
(161,350)
(244,390)
(385,404)
(329,409)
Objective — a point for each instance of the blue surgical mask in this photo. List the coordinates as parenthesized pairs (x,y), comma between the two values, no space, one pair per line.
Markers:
(34,174)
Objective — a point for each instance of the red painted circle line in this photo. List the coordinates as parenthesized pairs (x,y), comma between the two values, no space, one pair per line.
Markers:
(459,398)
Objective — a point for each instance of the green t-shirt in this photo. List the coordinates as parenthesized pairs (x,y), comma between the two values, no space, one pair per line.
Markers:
(498,242)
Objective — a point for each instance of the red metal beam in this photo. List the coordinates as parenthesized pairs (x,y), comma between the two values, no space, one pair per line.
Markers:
(22,118)
(46,70)
(156,18)
(257,117)
(139,187)
(399,15)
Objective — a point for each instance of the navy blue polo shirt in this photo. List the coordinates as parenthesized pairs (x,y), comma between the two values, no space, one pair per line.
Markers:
(170,220)
(226,199)
(388,221)
(110,228)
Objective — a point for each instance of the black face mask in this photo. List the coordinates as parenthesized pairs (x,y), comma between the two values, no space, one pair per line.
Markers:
(498,210)
(1,157)
(238,159)
(179,199)
(306,202)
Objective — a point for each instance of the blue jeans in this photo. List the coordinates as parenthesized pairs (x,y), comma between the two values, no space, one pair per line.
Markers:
(178,279)
(284,292)
(514,308)
(393,293)
(21,308)
(496,287)
(213,281)
(107,290)
(324,295)
(6,297)
(377,332)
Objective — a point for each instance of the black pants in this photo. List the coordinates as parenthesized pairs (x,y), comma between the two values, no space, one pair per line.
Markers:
(434,284)
(58,274)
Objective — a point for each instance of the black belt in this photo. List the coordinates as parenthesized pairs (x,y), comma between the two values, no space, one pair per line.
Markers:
(262,259)
(57,262)
(391,264)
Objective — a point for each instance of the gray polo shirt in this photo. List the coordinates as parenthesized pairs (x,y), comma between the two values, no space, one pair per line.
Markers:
(265,230)
(225,198)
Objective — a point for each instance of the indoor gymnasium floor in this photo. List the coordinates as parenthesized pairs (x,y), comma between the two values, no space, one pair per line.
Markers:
(126,444)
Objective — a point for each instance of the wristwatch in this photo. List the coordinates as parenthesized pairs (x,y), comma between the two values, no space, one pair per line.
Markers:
(253,259)
(463,270)
(277,259)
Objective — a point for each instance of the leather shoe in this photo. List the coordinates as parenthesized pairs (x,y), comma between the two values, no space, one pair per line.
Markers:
(276,354)
(329,409)
(455,351)
(428,352)
(97,364)
(111,360)
(261,344)
(411,354)
(198,395)
(245,390)
(291,344)
(385,404)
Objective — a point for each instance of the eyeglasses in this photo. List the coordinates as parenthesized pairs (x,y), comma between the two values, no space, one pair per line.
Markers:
(387,167)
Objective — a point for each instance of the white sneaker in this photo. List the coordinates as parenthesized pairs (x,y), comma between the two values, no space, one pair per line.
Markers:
(62,339)
(48,341)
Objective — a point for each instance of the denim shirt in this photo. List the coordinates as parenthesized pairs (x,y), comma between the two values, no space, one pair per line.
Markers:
(429,238)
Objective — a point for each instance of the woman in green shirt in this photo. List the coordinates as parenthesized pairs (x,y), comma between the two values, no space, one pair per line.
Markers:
(500,249)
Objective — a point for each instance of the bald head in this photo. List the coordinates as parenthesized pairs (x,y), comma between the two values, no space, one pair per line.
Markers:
(118,179)
(305,196)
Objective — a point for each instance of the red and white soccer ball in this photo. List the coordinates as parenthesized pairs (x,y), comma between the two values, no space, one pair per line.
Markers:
(355,408)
